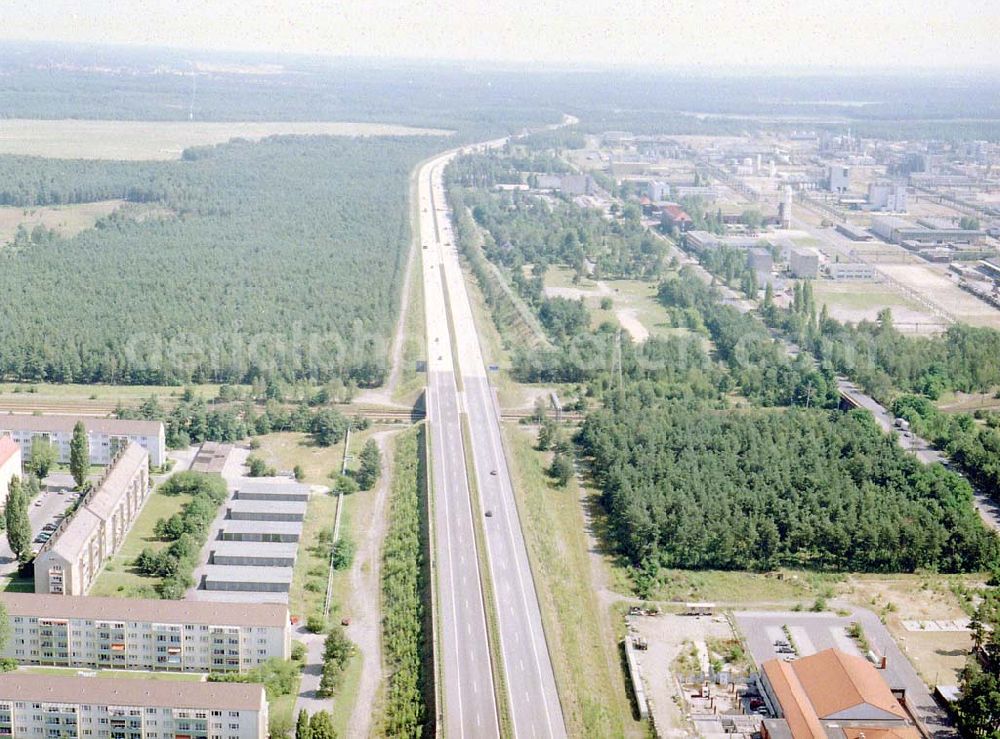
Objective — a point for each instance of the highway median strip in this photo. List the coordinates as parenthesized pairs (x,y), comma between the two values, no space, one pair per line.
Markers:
(489,597)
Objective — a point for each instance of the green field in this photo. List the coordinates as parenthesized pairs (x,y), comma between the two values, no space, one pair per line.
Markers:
(584,652)
(118,579)
(633,297)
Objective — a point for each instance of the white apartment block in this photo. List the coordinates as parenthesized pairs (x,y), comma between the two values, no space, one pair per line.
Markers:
(10,466)
(70,561)
(115,633)
(107,436)
(44,706)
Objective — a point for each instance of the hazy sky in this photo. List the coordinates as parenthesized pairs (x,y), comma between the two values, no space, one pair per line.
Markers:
(828,33)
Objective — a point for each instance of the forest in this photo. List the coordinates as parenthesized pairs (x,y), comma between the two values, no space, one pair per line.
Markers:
(715,449)
(906,373)
(688,487)
(758,364)
(256,274)
(526,229)
(886,362)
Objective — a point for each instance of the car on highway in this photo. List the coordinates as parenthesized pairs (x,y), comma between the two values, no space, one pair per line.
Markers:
(493,472)
(489,513)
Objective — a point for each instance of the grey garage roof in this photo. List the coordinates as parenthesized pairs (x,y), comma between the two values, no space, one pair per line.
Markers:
(235,573)
(255,548)
(268,506)
(274,485)
(261,527)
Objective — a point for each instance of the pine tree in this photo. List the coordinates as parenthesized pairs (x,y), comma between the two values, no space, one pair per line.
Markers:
(79,455)
(302,728)
(18,525)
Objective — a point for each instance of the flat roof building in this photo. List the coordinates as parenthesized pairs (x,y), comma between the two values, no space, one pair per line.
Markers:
(853,232)
(851,271)
(271,489)
(262,579)
(286,531)
(253,553)
(70,561)
(897,230)
(804,263)
(211,457)
(107,436)
(141,634)
(831,695)
(266,510)
(103,708)
(10,466)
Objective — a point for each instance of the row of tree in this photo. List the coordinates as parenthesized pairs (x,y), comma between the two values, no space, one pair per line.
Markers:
(406,637)
(186,531)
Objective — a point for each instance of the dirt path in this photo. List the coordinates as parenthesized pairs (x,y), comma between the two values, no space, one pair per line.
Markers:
(629,319)
(365,601)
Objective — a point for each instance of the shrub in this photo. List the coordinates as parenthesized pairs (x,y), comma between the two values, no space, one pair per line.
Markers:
(316,624)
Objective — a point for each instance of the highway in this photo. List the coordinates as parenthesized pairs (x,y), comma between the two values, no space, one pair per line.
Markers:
(458,390)
(531,687)
(467,689)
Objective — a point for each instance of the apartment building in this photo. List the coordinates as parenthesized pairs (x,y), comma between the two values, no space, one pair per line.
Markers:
(115,633)
(10,466)
(102,708)
(70,561)
(107,436)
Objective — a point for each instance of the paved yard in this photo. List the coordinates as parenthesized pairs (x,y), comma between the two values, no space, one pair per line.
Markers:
(814,632)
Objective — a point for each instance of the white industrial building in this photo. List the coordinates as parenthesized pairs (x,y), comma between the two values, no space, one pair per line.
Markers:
(70,561)
(136,634)
(658,191)
(103,708)
(106,435)
(888,196)
(838,178)
(10,466)
(851,271)
(804,263)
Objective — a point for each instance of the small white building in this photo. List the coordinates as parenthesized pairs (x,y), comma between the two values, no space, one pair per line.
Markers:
(851,271)
(10,466)
(888,196)
(804,263)
(838,178)
(658,191)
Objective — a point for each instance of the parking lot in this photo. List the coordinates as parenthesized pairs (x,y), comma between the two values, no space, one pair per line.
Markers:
(814,632)
(46,510)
